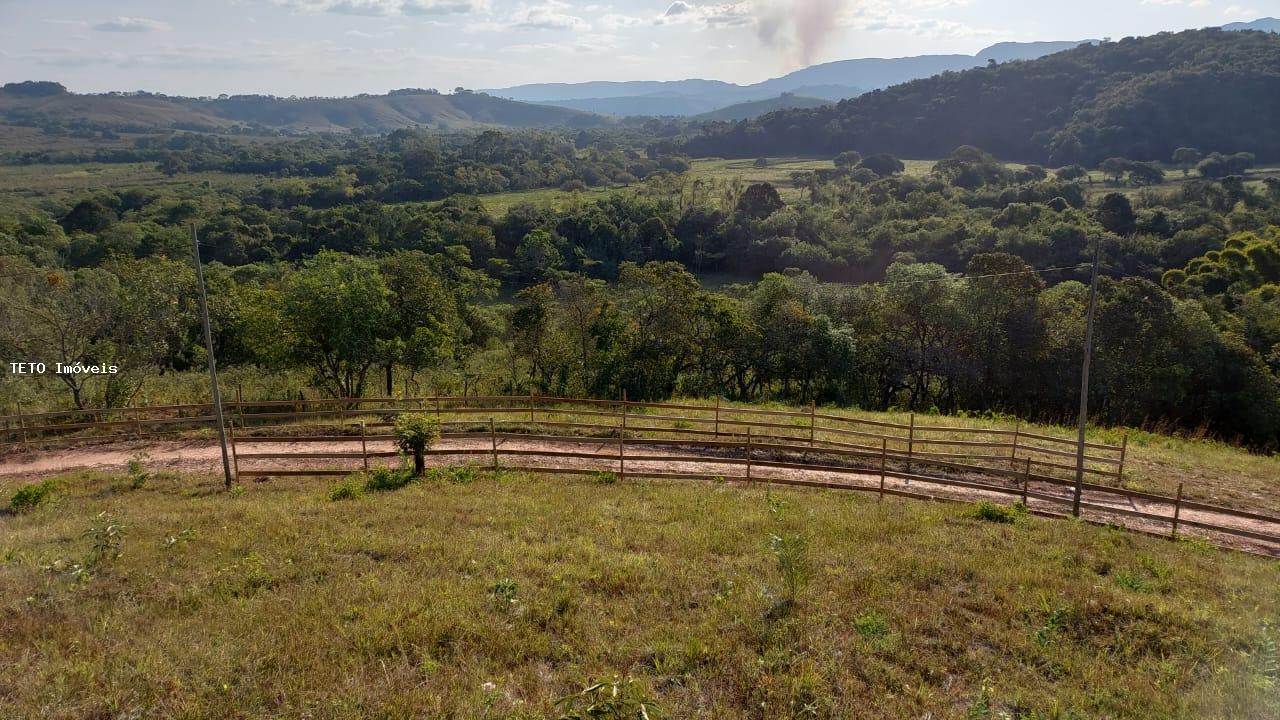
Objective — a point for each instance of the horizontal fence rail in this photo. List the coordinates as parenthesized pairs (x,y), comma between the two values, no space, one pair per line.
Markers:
(732,438)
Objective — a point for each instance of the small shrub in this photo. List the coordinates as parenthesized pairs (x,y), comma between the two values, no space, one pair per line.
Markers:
(682,425)
(137,472)
(991,512)
(349,488)
(792,554)
(30,497)
(615,700)
(106,537)
(605,477)
(382,479)
(415,433)
(503,594)
(872,626)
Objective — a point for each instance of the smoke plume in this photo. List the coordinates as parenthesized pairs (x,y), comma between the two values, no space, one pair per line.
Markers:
(797,27)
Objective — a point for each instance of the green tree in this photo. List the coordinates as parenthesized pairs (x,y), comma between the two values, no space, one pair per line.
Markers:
(1187,158)
(338,311)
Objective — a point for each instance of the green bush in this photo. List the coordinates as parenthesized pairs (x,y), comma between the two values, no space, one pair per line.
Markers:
(456,474)
(991,512)
(415,433)
(380,479)
(605,477)
(349,488)
(30,497)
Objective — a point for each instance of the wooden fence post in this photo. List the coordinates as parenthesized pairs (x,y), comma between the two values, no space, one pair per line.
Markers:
(622,435)
(240,404)
(1013,453)
(911,441)
(530,406)
(1026,480)
(1124,449)
(438,419)
(813,416)
(748,454)
(22,424)
(493,444)
(884,457)
(717,417)
(235,458)
(364,448)
(1177,512)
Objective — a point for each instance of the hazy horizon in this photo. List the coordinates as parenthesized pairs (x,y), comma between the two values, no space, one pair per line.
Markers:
(338,48)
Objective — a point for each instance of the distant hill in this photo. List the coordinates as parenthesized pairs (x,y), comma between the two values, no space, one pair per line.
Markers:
(1271,25)
(756,108)
(1139,98)
(829,81)
(43,104)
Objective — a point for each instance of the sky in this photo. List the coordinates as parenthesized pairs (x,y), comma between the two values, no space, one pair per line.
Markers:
(346,47)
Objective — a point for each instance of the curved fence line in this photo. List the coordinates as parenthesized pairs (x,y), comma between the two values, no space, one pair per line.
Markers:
(1014,456)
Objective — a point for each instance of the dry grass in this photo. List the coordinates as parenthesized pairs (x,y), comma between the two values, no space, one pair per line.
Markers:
(494,597)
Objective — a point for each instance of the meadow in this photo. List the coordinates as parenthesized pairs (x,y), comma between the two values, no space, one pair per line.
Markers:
(493,596)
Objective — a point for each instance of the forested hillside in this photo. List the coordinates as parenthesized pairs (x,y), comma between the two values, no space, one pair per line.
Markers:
(1140,98)
(50,105)
(324,277)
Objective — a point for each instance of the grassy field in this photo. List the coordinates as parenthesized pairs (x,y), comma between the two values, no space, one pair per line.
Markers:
(31,183)
(493,596)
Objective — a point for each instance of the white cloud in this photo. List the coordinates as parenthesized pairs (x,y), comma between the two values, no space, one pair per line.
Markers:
(130,25)
(549,15)
(385,8)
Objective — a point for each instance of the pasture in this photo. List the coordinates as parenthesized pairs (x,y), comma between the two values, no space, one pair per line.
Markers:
(474,594)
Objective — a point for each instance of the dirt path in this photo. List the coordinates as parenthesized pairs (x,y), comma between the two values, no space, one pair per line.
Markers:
(204,456)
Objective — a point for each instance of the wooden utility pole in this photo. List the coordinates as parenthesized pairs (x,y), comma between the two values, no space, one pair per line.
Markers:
(1084,379)
(213,364)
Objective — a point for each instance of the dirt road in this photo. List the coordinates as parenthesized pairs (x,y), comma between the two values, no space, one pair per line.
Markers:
(204,456)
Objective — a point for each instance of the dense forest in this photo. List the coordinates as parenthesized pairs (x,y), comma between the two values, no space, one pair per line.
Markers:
(323,275)
(360,264)
(1140,98)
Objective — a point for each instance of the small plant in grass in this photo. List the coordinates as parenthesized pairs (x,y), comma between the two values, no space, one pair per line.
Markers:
(981,708)
(30,497)
(1056,619)
(503,594)
(792,555)
(179,538)
(137,472)
(619,699)
(106,538)
(682,425)
(415,433)
(872,626)
(605,477)
(456,474)
(381,479)
(1132,581)
(349,488)
(992,512)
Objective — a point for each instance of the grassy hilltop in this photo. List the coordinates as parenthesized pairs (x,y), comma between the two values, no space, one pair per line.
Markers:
(474,595)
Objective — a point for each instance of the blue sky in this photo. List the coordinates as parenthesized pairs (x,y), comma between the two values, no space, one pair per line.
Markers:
(344,47)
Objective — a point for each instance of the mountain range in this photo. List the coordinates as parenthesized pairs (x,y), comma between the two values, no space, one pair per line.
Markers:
(45,104)
(49,105)
(829,81)
(1137,98)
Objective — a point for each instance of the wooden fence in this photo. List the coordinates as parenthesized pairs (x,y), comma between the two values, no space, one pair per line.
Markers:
(721,440)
